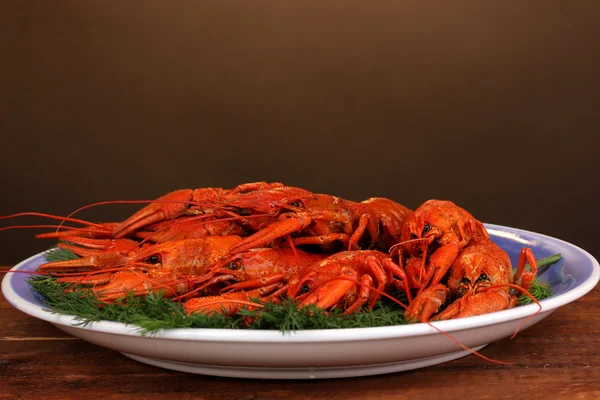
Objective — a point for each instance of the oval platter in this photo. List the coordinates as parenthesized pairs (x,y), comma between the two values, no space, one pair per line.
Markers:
(331,353)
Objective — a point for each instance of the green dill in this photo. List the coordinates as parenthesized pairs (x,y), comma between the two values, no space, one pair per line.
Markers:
(155,312)
(286,316)
(539,290)
(150,313)
(59,254)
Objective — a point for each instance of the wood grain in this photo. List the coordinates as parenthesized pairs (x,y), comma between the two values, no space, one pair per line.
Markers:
(559,358)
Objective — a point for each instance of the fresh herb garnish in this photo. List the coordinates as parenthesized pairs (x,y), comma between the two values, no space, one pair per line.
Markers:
(59,254)
(539,290)
(154,312)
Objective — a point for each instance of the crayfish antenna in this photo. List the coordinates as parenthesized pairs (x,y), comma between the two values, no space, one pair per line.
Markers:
(400,244)
(108,202)
(88,232)
(52,216)
(6,271)
(73,230)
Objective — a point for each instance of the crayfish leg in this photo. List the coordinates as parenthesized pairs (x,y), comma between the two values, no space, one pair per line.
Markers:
(91,280)
(363,223)
(523,277)
(402,284)
(363,294)
(322,239)
(439,263)
(255,283)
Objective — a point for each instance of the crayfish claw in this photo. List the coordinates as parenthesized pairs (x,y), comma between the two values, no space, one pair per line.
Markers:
(477,304)
(427,303)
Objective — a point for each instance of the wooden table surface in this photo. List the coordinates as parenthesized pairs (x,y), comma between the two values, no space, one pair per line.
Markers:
(558,358)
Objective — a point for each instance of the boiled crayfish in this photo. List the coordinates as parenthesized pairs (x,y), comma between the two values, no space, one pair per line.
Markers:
(433,235)
(348,280)
(481,280)
(214,246)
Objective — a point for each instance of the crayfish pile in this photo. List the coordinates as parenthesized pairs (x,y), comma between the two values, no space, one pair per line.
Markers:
(216,249)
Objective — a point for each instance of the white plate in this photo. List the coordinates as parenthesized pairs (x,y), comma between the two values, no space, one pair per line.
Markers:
(331,353)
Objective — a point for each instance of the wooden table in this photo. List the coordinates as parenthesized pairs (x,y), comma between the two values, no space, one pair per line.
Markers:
(559,358)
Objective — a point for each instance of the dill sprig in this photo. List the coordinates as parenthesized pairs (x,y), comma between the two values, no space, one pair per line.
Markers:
(59,254)
(539,290)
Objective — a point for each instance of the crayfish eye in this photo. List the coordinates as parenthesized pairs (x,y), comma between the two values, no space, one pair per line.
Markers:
(304,289)
(426,228)
(245,211)
(465,281)
(297,204)
(483,277)
(153,259)
(413,236)
(234,265)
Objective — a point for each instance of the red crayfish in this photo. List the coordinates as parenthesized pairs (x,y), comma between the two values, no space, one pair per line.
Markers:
(272,239)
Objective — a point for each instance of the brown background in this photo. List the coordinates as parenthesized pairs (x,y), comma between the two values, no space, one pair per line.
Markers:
(492,104)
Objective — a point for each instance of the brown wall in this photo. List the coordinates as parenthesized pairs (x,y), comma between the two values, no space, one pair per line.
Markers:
(492,104)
